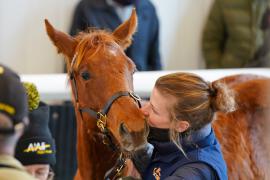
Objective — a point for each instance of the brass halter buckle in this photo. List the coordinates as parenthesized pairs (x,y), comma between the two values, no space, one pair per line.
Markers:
(101,122)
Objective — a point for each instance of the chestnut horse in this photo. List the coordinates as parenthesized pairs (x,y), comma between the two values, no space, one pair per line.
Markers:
(106,109)
(99,69)
(244,134)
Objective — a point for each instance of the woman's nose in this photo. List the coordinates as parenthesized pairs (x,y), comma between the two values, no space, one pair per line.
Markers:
(145,108)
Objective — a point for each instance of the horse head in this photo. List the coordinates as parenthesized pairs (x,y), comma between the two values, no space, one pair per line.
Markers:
(102,84)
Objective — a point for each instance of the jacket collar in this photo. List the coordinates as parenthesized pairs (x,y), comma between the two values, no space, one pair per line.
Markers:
(196,139)
(197,136)
(11,161)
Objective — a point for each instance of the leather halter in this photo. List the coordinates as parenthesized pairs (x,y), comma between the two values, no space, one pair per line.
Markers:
(101,117)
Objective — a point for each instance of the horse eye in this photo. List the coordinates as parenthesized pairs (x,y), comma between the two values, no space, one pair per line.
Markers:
(85,75)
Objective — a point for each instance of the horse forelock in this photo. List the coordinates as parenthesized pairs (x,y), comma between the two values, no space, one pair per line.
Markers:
(94,41)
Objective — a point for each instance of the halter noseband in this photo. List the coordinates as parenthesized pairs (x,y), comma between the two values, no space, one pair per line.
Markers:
(101,117)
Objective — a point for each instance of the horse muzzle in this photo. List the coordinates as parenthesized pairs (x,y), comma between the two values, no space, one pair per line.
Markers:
(132,141)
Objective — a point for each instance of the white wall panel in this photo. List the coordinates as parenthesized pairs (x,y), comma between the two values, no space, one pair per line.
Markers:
(25,47)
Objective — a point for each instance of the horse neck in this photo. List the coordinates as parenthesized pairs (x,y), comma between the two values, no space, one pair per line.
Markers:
(94,158)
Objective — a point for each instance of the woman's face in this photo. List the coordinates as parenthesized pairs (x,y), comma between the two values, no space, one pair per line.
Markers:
(157,110)
(39,171)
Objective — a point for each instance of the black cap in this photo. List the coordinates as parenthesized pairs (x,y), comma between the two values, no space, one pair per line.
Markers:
(36,146)
(13,98)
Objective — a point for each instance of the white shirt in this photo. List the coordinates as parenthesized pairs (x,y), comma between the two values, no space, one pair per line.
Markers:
(123,12)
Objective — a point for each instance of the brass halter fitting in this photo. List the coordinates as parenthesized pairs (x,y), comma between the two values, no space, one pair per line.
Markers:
(102,121)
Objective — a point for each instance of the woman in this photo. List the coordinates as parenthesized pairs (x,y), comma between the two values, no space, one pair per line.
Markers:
(180,112)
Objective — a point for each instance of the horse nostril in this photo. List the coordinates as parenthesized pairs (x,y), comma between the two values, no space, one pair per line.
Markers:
(123,129)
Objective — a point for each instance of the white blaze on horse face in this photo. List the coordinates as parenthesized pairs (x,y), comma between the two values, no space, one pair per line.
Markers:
(112,51)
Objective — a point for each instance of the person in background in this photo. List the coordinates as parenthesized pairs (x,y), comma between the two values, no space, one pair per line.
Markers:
(181,109)
(234,35)
(13,120)
(108,14)
(36,147)
(262,54)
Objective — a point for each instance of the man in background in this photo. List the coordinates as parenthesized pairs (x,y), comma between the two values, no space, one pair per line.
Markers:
(13,119)
(234,36)
(108,14)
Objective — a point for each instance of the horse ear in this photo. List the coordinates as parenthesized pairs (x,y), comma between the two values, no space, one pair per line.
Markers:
(65,43)
(123,34)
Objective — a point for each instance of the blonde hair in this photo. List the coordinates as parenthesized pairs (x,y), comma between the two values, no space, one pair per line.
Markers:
(196,101)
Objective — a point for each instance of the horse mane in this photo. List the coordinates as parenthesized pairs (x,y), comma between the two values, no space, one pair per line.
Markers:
(92,40)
